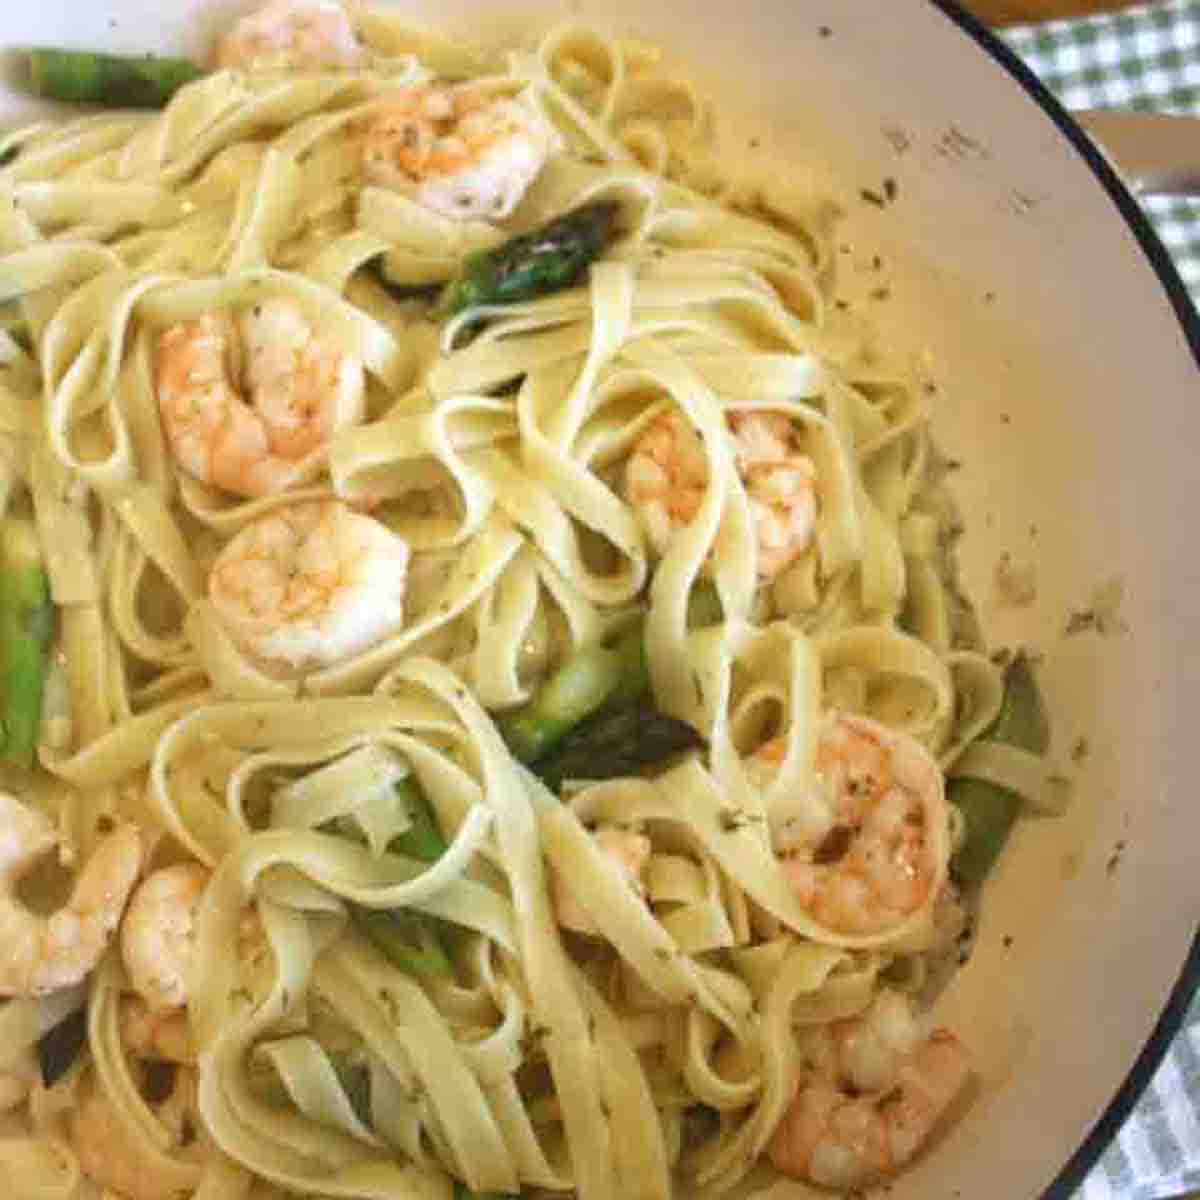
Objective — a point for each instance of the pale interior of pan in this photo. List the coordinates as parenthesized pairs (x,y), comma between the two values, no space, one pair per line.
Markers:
(1065,388)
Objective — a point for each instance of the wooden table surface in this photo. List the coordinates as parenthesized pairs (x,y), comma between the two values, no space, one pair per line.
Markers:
(1012,12)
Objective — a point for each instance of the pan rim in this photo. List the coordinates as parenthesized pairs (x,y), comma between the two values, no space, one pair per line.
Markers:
(1071,1176)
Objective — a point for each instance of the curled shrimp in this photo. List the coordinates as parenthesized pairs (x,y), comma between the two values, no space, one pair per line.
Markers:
(297,35)
(870,848)
(301,388)
(629,852)
(157,937)
(46,953)
(667,472)
(874,1094)
(458,151)
(158,931)
(310,583)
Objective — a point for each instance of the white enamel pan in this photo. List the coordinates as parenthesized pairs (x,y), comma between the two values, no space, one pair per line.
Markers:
(996,246)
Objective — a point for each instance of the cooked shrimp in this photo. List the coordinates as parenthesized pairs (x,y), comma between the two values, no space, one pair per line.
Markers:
(630,852)
(301,388)
(865,854)
(780,486)
(43,954)
(667,472)
(295,35)
(17,1080)
(458,151)
(158,931)
(873,1101)
(665,476)
(156,946)
(108,1154)
(311,584)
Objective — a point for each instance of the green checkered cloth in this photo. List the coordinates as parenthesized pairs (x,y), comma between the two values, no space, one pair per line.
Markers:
(1147,58)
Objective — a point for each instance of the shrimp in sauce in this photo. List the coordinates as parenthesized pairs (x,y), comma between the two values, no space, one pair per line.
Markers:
(667,473)
(157,938)
(875,1090)
(310,584)
(458,151)
(43,954)
(291,35)
(249,405)
(867,853)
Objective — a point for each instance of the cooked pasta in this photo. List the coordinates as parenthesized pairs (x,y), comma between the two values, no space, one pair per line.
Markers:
(504,650)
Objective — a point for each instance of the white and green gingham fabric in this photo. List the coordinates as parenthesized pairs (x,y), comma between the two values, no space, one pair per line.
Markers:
(1144,58)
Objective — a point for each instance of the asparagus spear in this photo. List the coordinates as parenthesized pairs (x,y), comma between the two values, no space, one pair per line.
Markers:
(580,687)
(407,939)
(617,742)
(422,839)
(81,76)
(356,1083)
(26,627)
(413,941)
(59,1047)
(534,264)
(634,681)
(704,606)
(988,809)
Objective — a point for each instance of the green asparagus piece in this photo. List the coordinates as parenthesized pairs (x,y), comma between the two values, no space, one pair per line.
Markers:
(82,76)
(356,1083)
(588,680)
(534,264)
(422,839)
(26,627)
(576,690)
(12,321)
(59,1046)
(988,809)
(704,606)
(635,671)
(409,940)
(617,742)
